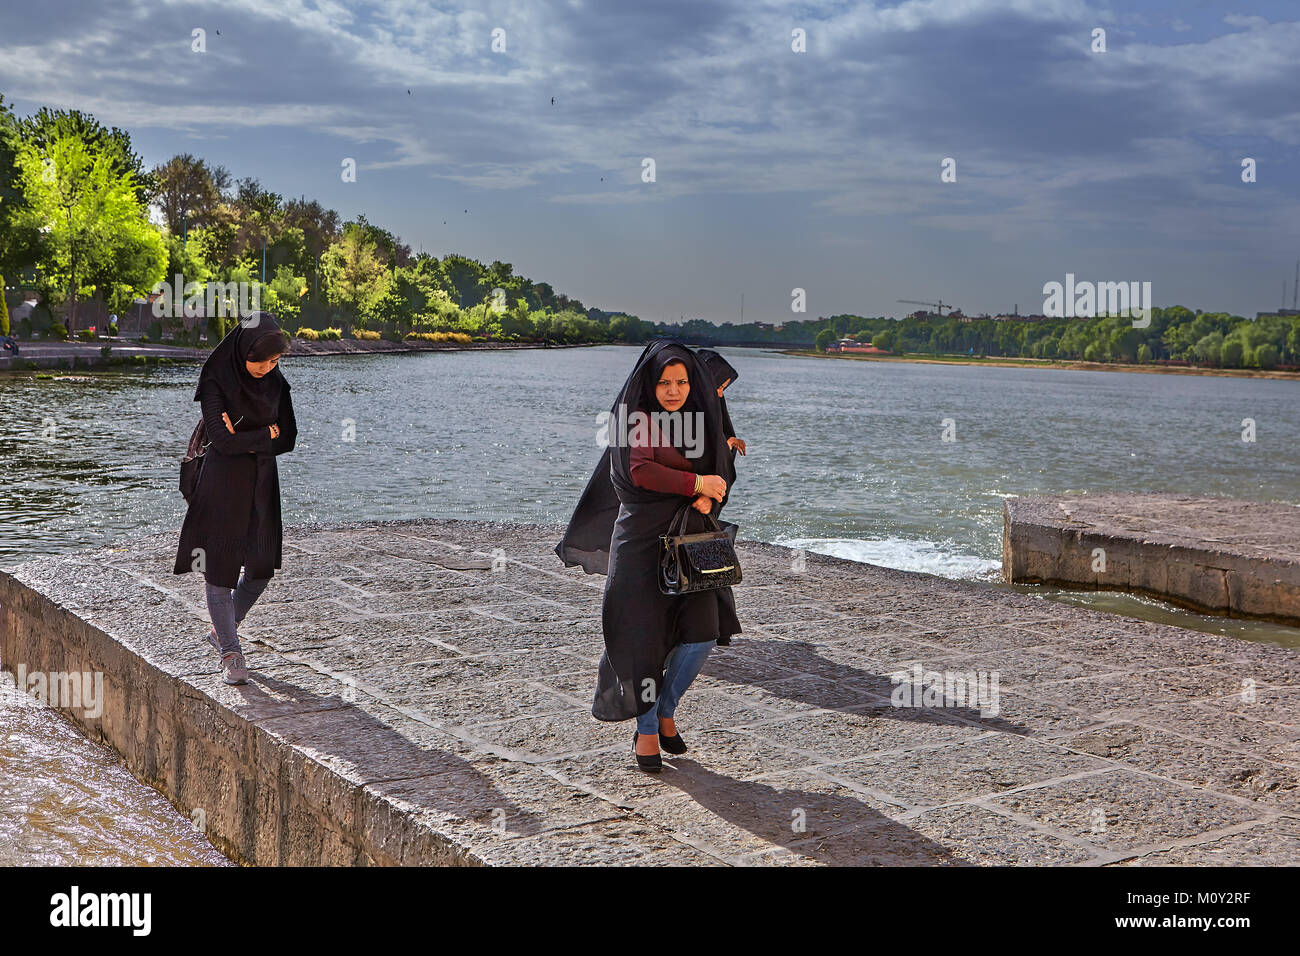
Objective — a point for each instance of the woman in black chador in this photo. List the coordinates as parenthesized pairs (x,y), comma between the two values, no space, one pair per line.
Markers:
(655,644)
(723,375)
(233,519)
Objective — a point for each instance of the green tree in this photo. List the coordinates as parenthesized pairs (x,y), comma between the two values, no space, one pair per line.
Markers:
(884,339)
(357,278)
(283,295)
(1231,352)
(468,279)
(186,260)
(515,322)
(188,192)
(20,238)
(1265,356)
(95,224)
(824,338)
(44,127)
(320,228)
(258,211)
(1207,349)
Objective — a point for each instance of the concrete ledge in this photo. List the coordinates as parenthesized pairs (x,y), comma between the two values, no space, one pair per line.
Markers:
(1214,555)
(415,702)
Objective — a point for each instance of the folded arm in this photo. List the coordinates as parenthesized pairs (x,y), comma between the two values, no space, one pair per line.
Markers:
(240,443)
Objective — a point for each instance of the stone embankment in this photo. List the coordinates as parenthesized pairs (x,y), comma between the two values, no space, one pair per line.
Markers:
(1214,555)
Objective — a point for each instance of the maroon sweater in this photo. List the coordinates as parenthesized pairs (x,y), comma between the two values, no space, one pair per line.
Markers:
(663,468)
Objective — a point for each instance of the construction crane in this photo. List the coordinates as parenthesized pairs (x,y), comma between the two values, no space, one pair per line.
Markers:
(939,306)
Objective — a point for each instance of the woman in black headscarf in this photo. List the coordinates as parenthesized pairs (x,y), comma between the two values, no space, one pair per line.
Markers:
(723,375)
(655,644)
(233,519)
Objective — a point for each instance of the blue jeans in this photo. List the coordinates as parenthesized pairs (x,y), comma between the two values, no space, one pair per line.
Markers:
(227,608)
(683,665)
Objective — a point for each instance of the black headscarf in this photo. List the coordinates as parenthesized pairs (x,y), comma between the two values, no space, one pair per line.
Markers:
(256,400)
(650,403)
(721,371)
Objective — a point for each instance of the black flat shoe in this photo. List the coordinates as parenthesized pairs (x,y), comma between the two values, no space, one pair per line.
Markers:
(673,744)
(650,764)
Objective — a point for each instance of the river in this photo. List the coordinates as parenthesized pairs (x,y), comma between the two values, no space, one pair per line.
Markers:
(845,457)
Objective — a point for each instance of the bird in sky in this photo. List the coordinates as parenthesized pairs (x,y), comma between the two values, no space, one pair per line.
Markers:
(552,100)
(218,33)
(408,92)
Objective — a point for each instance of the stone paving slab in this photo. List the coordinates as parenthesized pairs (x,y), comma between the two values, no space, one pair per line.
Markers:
(1214,555)
(411,705)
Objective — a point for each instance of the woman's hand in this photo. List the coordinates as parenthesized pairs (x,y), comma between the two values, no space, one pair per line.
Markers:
(703,504)
(737,444)
(275,430)
(713,486)
(229,427)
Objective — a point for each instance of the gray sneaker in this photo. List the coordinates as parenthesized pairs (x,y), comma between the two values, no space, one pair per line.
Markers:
(234,670)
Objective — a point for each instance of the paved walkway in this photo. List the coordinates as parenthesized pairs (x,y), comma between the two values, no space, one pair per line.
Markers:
(393,658)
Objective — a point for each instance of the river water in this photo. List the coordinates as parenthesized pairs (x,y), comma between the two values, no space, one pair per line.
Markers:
(846,457)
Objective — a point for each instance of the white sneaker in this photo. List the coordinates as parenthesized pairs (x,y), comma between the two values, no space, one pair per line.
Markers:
(234,670)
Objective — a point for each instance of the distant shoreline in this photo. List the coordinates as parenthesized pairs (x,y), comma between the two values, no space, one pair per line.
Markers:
(1072,365)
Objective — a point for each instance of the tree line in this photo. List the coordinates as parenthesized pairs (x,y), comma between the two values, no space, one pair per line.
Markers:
(1175,335)
(75,222)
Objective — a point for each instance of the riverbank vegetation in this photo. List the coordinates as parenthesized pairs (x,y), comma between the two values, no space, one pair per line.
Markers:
(75,223)
(1175,336)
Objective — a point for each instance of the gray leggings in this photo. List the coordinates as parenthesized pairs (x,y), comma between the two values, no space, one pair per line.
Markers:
(228,608)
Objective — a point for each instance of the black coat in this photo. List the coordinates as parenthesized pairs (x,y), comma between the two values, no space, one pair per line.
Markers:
(615,531)
(233,519)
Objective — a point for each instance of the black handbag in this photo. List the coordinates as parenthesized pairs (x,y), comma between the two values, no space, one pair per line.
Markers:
(192,463)
(696,562)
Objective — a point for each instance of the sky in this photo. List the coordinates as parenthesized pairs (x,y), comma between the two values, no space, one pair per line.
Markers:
(775,169)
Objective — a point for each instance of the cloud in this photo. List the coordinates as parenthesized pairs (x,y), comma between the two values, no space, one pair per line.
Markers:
(1047,135)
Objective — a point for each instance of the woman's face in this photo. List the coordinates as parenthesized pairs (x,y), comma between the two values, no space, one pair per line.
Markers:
(673,387)
(258,369)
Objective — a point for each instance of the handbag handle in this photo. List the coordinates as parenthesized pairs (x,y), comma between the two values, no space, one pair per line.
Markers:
(683,513)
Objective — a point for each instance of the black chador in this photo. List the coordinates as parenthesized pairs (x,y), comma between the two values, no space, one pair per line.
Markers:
(234,514)
(721,371)
(615,531)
